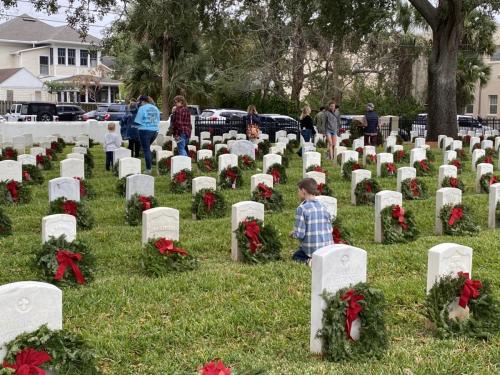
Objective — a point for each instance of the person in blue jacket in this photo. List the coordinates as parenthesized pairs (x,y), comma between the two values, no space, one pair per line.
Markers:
(129,129)
(148,119)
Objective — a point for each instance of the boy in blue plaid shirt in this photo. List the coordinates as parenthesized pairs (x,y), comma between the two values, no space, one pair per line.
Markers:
(313,223)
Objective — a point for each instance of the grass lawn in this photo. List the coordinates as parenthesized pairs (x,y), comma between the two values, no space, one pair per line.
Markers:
(249,316)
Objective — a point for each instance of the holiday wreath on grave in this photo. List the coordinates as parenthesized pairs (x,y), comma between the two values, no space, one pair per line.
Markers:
(317,168)
(278,172)
(5,224)
(164,166)
(44,162)
(453,182)
(162,256)
(195,143)
(457,220)
(181,181)
(346,143)
(486,181)
(230,178)
(484,159)
(466,140)
(245,162)
(320,143)
(339,233)
(79,210)
(56,146)
(324,189)
(424,168)
(388,170)
(398,225)
(497,214)
(258,243)
(401,156)
(192,154)
(458,164)
(208,203)
(353,324)
(9,153)
(221,151)
(263,148)
(136,205)
(207,165)
(270,198)
(36,352)
(461,154)
(294,143)
(121,185)
(365,191)
(65,263)
(414,189)
(348,167)
(371,159)
(490,151)
(207,146)
(86,189)
(88,159)
(430,156)
(12,192)
(32,175)
(458,306)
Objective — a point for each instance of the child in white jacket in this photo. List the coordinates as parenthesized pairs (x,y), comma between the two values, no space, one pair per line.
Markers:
(112,142)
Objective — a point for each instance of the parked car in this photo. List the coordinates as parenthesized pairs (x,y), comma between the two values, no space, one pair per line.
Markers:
(69,112)
(92,115)
(277,119)
(464,122)
(114,112)
(194,109)
(221,114)
(27,110)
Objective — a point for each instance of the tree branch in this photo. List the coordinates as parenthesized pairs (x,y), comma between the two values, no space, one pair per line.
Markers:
(427,10)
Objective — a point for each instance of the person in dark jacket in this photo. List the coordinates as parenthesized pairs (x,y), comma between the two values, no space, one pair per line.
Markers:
(129,130)
(306,126)
(370,125)
(252,123)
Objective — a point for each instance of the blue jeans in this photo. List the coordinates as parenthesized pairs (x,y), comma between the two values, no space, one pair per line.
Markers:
(306,134)
(147,137)
(181,145)
(300,256)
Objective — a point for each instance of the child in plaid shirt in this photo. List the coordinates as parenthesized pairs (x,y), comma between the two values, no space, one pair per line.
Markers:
(313,224)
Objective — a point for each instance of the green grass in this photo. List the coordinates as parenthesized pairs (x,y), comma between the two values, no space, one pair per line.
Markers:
(249,316)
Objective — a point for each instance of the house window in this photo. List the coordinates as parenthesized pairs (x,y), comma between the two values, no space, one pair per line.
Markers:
(84,57)
(51,54)
(61,56)
(93,59)
(493,104)
(10,95)
(71,56)
(496,55)
(44,65)
(469,108)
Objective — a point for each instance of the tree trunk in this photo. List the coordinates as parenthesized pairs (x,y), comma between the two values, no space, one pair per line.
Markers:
(298,62)
(405,73)
(165,77)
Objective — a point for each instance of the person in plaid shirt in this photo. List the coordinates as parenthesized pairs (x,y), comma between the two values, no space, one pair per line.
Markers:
(181,124)
(313,223)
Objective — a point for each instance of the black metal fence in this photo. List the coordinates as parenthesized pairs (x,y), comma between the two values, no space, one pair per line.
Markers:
(463,124)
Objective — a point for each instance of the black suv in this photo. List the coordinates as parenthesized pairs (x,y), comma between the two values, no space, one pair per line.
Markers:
(42,111)
(115,112)
(70,112)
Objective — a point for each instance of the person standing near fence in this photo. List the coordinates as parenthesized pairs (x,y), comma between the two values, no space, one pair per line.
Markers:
(370,125)
(181,124)
(320,120)
(148,119)
(252,123)
(129,129)
(331,127)
(306,126)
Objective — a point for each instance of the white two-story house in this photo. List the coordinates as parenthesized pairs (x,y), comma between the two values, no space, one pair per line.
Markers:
(62,68)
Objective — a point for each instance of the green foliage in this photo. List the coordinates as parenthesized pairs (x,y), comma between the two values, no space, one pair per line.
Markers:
(22,190)
(274,203)
(424,168)
(246,163)
(181,181)
(84,218)
(32,175)
(5,224)
(263,148)
(87,191)
(121,186)
(486,180)
(278,171)
(207,165)
(270,249)
(164,166)
(159,265)
(463,227)
(388,170)
(414,189)
(44,162)
(365,191)
(339,233)
(227,182)
(134,209)
(348,167)
(393,232)
(201,209)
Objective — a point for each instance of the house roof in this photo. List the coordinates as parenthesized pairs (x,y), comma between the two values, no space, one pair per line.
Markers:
(7,73)
(25,28)
(88,78)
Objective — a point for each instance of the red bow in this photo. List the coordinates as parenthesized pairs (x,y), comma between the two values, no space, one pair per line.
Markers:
(337,235)
(488,159)
(493,180)
(70,208)
(372,157)
(265,191)
(208,164)
(9,153)
(83,191)
(27,362)
(213,368)
(456,215)
(231,175)
(424,165)
(12,188)
(353,309)
(355,167)
(66,259)
(26,176)
(469,290)
(398,213)
(48,152)
(456,163)
(318,169)
(246,160)
(168,162)
(453,182)
(39,159)
(192,154)
(359,150)
(391,168)
(368,187)
(414,188)
(321,188)
(400,155)
(53,145)
(146,202)
(276,175)
(252,231)
(167,246)
(181,177)
(209,200)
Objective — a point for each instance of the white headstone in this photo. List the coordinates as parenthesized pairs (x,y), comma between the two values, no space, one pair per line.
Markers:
(390,141)
(357,143)
(292,137)
(164,154)
(226,161)
(441,137)
(306,147)
(449,156)
(239,212)
(349,156)
(205,135)
(309,159)
(203,182)
(11,170)
(497,143)
(396,148)
(494,198)
(204,154)
(204,142)
(405,173)
(140,184)
(28,140)
(319,177)
(243,147)
(283,140)
(217,138)
(337,151)
(473,141)
(269,160)
(241,136)
(72,168)
(18,144)
(330,203)
(445,196)
(121,153)
(75,155)
(160,222)
(37,151)
(57,225)
(26,159)
(220,146)
(448,141)
(384,199)
(413,135)
(66,187)
(280,133)
(419,142)
(487,143)
(128,166)
(446,171)
(368,150)
(456,145)
(333,268)
(476,154)
(417,154)
(179,163)
(356,177)
(80,150)
(257,179)
(382,158)
(482,169)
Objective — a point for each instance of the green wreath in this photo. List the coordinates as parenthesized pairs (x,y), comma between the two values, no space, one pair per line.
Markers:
(136,205)
(490,152)
(482,322)
(207,146)
(267,246)
(181,182)
(164,166)
(414,189)
(453,182)
(294,143)
(221,151)
(263,148)
(429,155)
(114,169)
(9,153)
(270,198)
(5,224)
(373,340)
(46,260)
(88,159)
(321,144)
(339,233)
(121,186)
(462,155)
(484,159)
(317,168)
(348,167)
(278,172)
(388,170)
(162,257)
(32,175)
(13,192)
(346,143)
(207,165)
(245,163)
(84,218)
(87,191)
(365,191)
(51,154)
(371,159)
(486,181)
(424,168)
(477,146)
(69,352)
(61,142)
(401,156)
(57,147)
(458,164)
(231,178)
(194,143)
(497,214)
(44,162)
(207,204)
(395,231)
(324,189)
(459,227)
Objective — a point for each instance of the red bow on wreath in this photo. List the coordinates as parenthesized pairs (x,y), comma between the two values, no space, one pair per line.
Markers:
(456,163)
(213,368)
(12,188)
(356,166)
(247,160)
(167,246)
(252,231)
(398,213)
(488,159)
(168,163)
(453,182)
(321,188)
(391,168)
(493,180)
(368,187)
(83,191)
(39,159)
(372,157)
(265,191)
(53,145)
(65,259)
(48,152)
(209,200)
(400,155)
(9,153)
(27,362)
(208,164)
(359,150)
(423,164)
(353,309)
(414,188)
(337,235)
(231,175)
(26,176)
(456,215)
(70,208)
(181,177)
(146,202)
(469,290)
(319,169)
(276,175)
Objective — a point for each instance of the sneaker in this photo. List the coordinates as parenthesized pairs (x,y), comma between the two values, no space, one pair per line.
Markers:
(147,171)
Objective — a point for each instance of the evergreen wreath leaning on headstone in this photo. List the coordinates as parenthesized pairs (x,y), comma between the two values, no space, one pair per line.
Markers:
(258,243)
(208,203)
(162,256)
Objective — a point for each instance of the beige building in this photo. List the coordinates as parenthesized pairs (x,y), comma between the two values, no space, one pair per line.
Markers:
(72,69)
